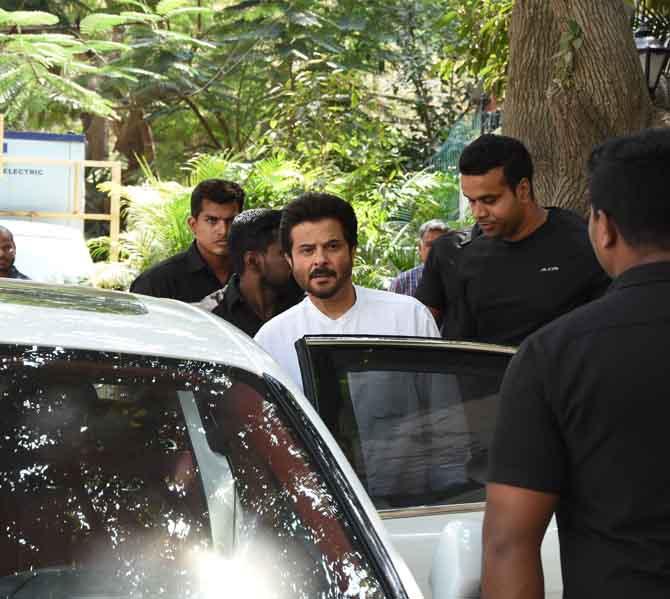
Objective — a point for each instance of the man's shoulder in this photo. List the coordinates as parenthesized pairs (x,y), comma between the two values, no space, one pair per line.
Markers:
(15,273)
(167,265)
(277,325)
(377,297)
(567,223)
(171,268)
(451,242)
(574,326)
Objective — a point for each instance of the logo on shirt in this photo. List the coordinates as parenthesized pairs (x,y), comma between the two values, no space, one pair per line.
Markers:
(550,268)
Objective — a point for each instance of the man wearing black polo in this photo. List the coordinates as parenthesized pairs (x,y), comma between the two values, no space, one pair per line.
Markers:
(262,285)
(528,264)
(205,266)
(583,423)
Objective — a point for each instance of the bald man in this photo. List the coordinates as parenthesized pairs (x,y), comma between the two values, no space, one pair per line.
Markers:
(8,255)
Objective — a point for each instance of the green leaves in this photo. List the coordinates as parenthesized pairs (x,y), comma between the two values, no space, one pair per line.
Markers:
(97,23)
(24,18)
(477,41)
(165,7)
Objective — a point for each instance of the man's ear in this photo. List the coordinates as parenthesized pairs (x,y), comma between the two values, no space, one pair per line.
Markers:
(606,228)
(288,259)
(523,190)
(191,220)
(353,252)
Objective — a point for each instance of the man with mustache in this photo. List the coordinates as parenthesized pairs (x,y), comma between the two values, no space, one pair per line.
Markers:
(205,267)
(318,233)
(529,264)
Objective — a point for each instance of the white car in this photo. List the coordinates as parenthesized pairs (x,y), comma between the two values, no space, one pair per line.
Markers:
(148,449)
(416,417)
(50,253)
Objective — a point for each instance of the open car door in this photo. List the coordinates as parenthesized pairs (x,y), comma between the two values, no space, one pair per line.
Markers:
(415,417)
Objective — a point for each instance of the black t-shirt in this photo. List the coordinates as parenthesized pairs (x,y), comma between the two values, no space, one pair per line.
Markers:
(585,414)
(499,291)
(14,273)
(237,311)
(185,276)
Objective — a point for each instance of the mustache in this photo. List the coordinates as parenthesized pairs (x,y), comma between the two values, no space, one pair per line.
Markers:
(322,272)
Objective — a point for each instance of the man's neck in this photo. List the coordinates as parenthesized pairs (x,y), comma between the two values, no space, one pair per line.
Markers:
(220,265)
(260,298)
(536,217)
(337,305)
(639,258)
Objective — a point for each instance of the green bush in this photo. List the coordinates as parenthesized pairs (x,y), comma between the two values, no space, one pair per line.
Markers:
(389,212)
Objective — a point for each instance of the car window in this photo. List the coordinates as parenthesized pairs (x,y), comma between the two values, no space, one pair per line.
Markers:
(415,420)
(142,477)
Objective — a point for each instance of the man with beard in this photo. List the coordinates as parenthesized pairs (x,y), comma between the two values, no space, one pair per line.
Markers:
(8,255)
(319,235)
(529,264)
(261,286)
(205,266)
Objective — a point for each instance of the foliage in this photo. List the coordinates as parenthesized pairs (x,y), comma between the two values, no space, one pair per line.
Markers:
(478,43)
(389,224)
(351,83)
(39,70)
(389,216)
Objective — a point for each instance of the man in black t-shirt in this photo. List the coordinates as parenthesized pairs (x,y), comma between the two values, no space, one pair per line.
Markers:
(583,422)
(527,266)
(205,267)
(262,285)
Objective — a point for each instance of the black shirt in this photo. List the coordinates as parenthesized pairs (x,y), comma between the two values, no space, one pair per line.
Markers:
(585,414)
(185,276)
(14,273)
(500,291)
(237,311)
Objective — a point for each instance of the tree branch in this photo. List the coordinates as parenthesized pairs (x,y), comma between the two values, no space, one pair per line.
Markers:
(203,121)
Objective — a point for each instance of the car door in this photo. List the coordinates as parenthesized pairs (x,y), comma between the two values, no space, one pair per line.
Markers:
(415,417)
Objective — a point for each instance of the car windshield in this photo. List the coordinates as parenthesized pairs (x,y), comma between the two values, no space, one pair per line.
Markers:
(133,476)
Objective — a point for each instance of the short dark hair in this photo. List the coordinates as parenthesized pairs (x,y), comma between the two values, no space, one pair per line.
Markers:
(628,182)
(218,191)
(252,231)
(6,231)
(312,207)
(493,151)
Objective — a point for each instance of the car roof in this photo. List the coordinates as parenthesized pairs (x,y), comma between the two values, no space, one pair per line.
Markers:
(78,317)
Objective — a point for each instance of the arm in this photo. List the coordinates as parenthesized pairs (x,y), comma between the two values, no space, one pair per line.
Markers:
(514,526)
(527,469)
(429,291)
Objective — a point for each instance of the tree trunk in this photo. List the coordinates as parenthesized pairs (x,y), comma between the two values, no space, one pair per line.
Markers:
(564,98)
(96,130)
(134,139)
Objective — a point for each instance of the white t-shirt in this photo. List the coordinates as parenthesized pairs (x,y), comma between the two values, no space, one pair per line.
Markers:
(374,313)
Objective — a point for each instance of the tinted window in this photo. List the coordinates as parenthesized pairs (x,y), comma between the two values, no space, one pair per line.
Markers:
(132,476)
(415,422)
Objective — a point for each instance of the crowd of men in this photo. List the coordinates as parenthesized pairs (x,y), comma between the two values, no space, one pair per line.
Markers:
(583,416)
